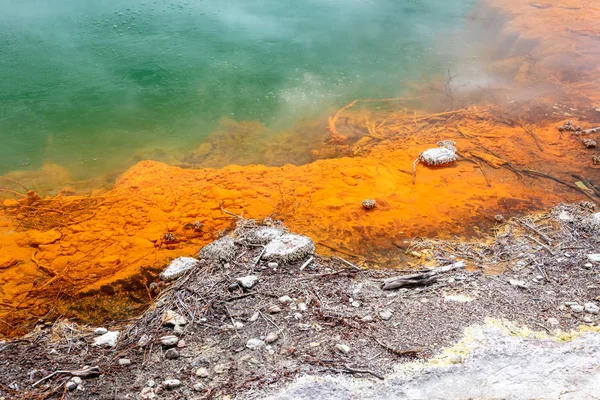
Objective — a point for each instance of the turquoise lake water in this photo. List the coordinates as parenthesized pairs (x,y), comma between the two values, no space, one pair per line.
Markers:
(87,84)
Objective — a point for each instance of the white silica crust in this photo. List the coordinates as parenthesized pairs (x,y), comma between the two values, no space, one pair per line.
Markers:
(178,267)
(289,248)
(264,235)
(438,156)
(222,250)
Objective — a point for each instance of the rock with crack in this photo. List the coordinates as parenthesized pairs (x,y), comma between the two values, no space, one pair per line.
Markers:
(289,248)
(220,250)
(178,267)
(263,235)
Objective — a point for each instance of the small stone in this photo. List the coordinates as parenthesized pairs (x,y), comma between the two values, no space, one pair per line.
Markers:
(150,383)
(553,322)
(304,327)
(220,369)
(254,317)
(172,384)
(178,330)
(591,308)
(124,361)
(109,339)
(369,204)
(289,248)
(456,359)
(589,143)
(171,318)
(202,372)
(356,304)
(539,277)
(219,250)
(147,393)
(367,318)
(577,308)
(571,303)
(588,265)
(314,344)
(343,348)
(247,281)
(246,357)
(273,309)
(144,340)
(237,325)
(178,267)
(100,331)
(302,306)
(198,387)
(385,315)
(297,316)
(594,257)
(172,354)
(71,385)
(286,300)
(271,337)
(169,341)
(272,265)
(451,280)
(588,319)
(254,344)
(181,344)
(517,283)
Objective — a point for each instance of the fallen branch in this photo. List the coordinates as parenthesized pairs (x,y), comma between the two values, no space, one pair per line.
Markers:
(421,279)
(84,373)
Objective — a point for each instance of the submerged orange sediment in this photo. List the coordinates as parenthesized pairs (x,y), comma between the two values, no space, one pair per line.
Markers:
(54,250)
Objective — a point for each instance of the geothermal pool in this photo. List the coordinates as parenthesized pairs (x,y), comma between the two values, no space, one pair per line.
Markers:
(95,87)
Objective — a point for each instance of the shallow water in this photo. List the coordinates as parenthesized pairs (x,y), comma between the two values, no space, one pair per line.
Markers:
(94,86)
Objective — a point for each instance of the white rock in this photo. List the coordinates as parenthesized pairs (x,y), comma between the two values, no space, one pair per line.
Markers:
(150,383)
(109,339)
(272,337)
(588,265)
(147,393)
(238,325)
(367,318)
(254,344)
(272,265)
(254,317)
(517,283)
(220,369)
(594,257)
(247,281)
(124,361)
(198,387)
(565,216)
(286,300)
(592,308)
(288,248)
(297,316)
(553,322)
(385,315)
(178,267)
(169,341)
(343,348)
(273,309)
(171,318)
(100,331)
(356,304)
(77,380)
(302,307)
(577,308)
(172,384)
(202,372)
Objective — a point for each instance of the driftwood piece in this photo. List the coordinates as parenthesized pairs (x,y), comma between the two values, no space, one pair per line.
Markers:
(420,279)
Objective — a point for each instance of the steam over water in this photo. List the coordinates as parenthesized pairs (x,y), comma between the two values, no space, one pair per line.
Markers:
(86,84)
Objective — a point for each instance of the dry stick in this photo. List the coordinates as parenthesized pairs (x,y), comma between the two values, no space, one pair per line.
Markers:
(400,353)
(348,263)
(533,135)
(587,183)
(306,263)
(229,213)
(362,371)
(542,175)
(531,228)
(84,373)
(15,182)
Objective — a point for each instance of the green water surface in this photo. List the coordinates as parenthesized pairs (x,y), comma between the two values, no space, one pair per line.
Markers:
(85,84)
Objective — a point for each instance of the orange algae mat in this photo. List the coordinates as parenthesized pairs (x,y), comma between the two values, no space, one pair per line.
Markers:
(63,255)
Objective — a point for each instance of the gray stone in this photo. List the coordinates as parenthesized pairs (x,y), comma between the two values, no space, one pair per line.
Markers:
(272,265)
(343,348)
(577,308)
(273,309)
(247,281)
(289,248)
(172,354)
(178,267)
(220,369)
(553,322)
(71,385)
(517,283)
(172,384)
(100,331)
(385,315)
(198,387)
(369,204)
(202,372)
(302,306)
(169,341)
(594,257)
(254,344)
(263,235)
(286,300)
(147,393)
(109,339)
(219,250)
(124,361)
(592,308)
(367,318)
(144,340)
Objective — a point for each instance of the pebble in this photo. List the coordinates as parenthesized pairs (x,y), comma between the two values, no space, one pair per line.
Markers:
(73,383)
(171,318)
(304,327)
(109,339)
(254,317)
(202,373)
(220,369)
(254,344)
(169,341)
(286,300)
(150,383)
(147,394)
(588,265)
(385,315)
(100,331)
(144,340)
(553,322)
(172,354)
(198,387)
(517,283)
(593,257)
(314,344)
(274,309)
(172,384)
(247,281)
(297,316)
(592,308)
(343,348)
(577,308)
(302,306)
(272,265)
(181,344)
(124,361)
(456,359)
(271,337)
(356,304)
(367,318)
(238,325)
